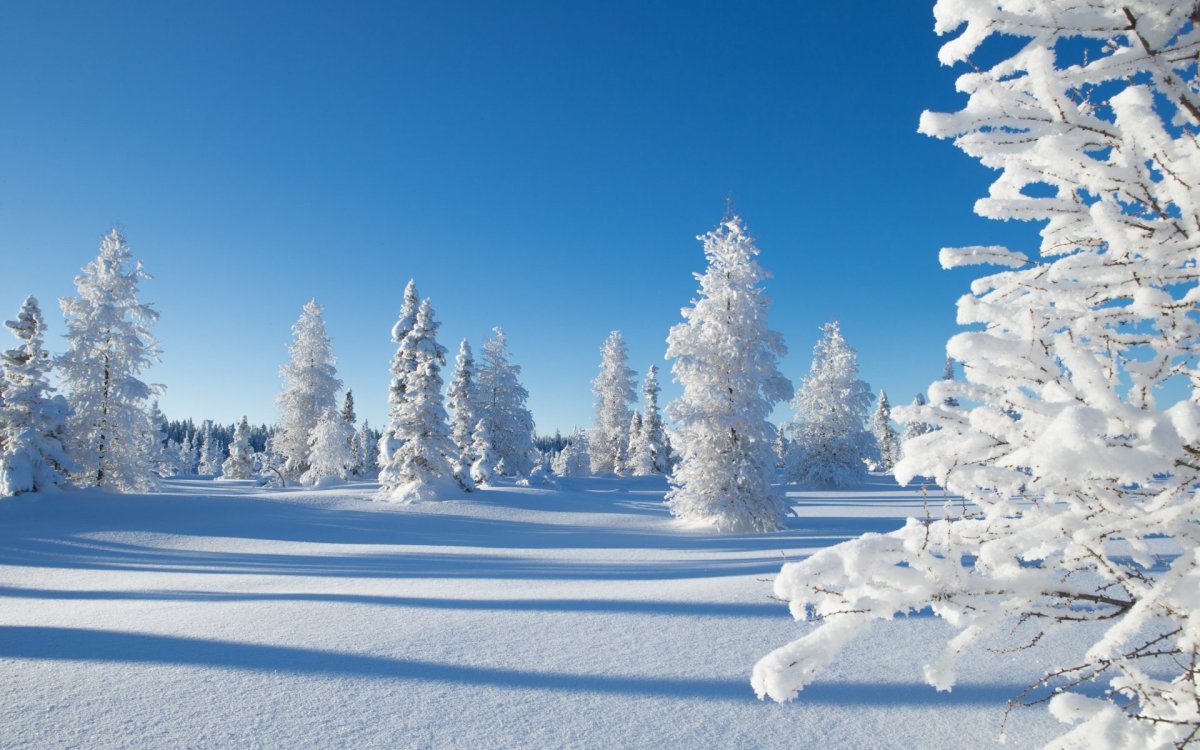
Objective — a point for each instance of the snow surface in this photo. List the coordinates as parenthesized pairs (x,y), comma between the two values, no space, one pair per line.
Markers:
(580,615)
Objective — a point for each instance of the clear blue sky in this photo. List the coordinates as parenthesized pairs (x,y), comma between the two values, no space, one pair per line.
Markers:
(541,166)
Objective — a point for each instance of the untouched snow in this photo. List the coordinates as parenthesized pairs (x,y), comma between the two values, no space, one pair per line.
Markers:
(216,614)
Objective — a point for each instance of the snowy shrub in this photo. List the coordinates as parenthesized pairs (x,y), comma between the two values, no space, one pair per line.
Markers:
(329,456)
(574,459)
(240,463)
(725,359)
(1082,489)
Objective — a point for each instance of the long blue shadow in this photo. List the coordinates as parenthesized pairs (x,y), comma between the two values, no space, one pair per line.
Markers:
(614,606)
(72,644)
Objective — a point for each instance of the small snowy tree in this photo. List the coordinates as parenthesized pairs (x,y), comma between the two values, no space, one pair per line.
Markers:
(614,390)
(422,466)
(210,450)
(240,463)
(948,374)
(32,419)
(310,389)
(574,460)
(914,427)
(1083,513)
(502,408)
(347,414)
(885,434)
(485,464)
(368,454)
(462,397)
(329,456)
(725,358)
(109,345)
(830,445)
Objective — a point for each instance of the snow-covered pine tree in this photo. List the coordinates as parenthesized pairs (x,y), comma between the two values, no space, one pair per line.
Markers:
(948,374)
(462,398)
(574,460)
(422,465)
(614,390)
(310,389)
(639,461)
(164,456)
(1083,514)
(914,427)
(329,456)
(367,453)
(830,444)
(388,441)
(240,463)
(109,346)
(502,408)
(33,419)
(210,451)
(654,436)
(886,439)
(484,467)
(725,358)
(348,415)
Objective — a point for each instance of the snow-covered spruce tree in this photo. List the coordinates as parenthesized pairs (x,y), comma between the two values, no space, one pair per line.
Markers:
(830,444)
(365,449)
(1082,488)
(614,390)
(329,455)
(574,459)
(725,358)
(422,465)
(108,346)
(462,397)
(310,389)
(484,465)
(32,419)
(240,463)
(914,427)
(653,435)
(885,435)
(347,414)
(948,374)
(502,408)
(210,451)
(388,441)
(165,456)
(639,458)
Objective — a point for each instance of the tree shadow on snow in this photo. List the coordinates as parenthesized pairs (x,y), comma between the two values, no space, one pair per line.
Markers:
(74,644)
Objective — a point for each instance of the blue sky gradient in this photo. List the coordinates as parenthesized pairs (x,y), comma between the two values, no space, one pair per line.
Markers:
(540,166)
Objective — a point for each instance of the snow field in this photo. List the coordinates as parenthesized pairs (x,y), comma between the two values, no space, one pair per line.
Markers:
(216,614)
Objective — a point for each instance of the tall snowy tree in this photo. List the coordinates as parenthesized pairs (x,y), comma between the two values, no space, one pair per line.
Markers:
(886,439)
(726,360)
(830,443)
(462,396)
(348,415)
(109,346)
(422,466)
(502,408)
(32,419)
(388,442)
(310,389)
(329,456)
(614,390)
(240,463)
(1083,514)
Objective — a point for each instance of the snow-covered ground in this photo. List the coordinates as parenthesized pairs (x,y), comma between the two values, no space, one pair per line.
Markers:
(215,614)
